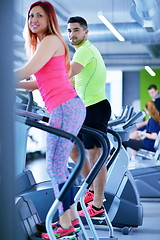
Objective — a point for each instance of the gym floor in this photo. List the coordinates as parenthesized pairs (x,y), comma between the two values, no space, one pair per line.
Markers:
(150,230)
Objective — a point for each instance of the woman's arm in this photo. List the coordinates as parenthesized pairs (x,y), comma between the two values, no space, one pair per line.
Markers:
(141,124)
(152,136)
(30,85)
(44,52)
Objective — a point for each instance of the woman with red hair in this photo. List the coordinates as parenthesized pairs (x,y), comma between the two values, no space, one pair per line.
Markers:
(146,139)
(49,63)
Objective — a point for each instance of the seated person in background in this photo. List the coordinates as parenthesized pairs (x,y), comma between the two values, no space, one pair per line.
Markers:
(146,139)
(155,96)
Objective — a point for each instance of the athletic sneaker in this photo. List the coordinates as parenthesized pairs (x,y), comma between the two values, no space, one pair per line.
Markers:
(75,224)
(87,199)
(61,233)
(93,213)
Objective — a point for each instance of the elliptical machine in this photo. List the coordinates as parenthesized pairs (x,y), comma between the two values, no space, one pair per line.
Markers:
(145,168)
(34,194)
(28,192)
(122,203)
(146,171)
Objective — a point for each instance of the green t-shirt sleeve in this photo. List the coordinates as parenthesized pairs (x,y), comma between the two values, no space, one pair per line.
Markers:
(83,56)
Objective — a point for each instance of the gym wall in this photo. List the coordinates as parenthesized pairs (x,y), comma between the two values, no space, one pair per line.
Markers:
(145,81)
(130,90)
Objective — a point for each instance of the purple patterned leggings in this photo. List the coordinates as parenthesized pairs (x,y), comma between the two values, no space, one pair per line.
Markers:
(69,117)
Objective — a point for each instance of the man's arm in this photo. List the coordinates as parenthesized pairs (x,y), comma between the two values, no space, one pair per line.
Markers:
(75,69)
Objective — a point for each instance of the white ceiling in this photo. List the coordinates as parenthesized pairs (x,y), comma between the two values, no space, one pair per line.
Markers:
(140,48)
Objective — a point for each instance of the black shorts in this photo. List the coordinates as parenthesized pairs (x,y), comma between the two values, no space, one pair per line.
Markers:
(97,117)
(134,144)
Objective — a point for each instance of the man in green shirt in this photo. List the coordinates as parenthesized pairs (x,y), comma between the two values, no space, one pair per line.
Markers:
(89,72)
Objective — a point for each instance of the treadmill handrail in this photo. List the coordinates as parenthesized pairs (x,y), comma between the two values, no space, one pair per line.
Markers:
(129,113)
(102,137)
(117,150)
(138,116)
(89,179)
(27,101)
(84,129)
(31,115)
(130,123)
(105,144)
(70,137)
(74,173)
(123,118)
(30,102)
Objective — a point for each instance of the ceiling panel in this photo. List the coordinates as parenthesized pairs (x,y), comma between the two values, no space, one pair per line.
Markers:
(141,46)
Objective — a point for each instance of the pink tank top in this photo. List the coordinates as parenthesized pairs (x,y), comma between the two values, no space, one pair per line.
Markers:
(53,83)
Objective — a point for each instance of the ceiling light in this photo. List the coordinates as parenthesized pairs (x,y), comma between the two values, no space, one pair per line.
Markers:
(150,71)
(111,27)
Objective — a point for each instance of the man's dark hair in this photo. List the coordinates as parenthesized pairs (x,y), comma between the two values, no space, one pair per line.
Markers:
(152,86)
(82,22)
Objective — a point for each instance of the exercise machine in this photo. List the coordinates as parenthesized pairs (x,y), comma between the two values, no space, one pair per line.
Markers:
(122,203)
(126,114)
(29,195)
(145,169)
(30,212)
(119,200)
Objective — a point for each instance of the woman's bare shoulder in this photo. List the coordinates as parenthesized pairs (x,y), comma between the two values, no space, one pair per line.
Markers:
(53,44)
(51,38)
